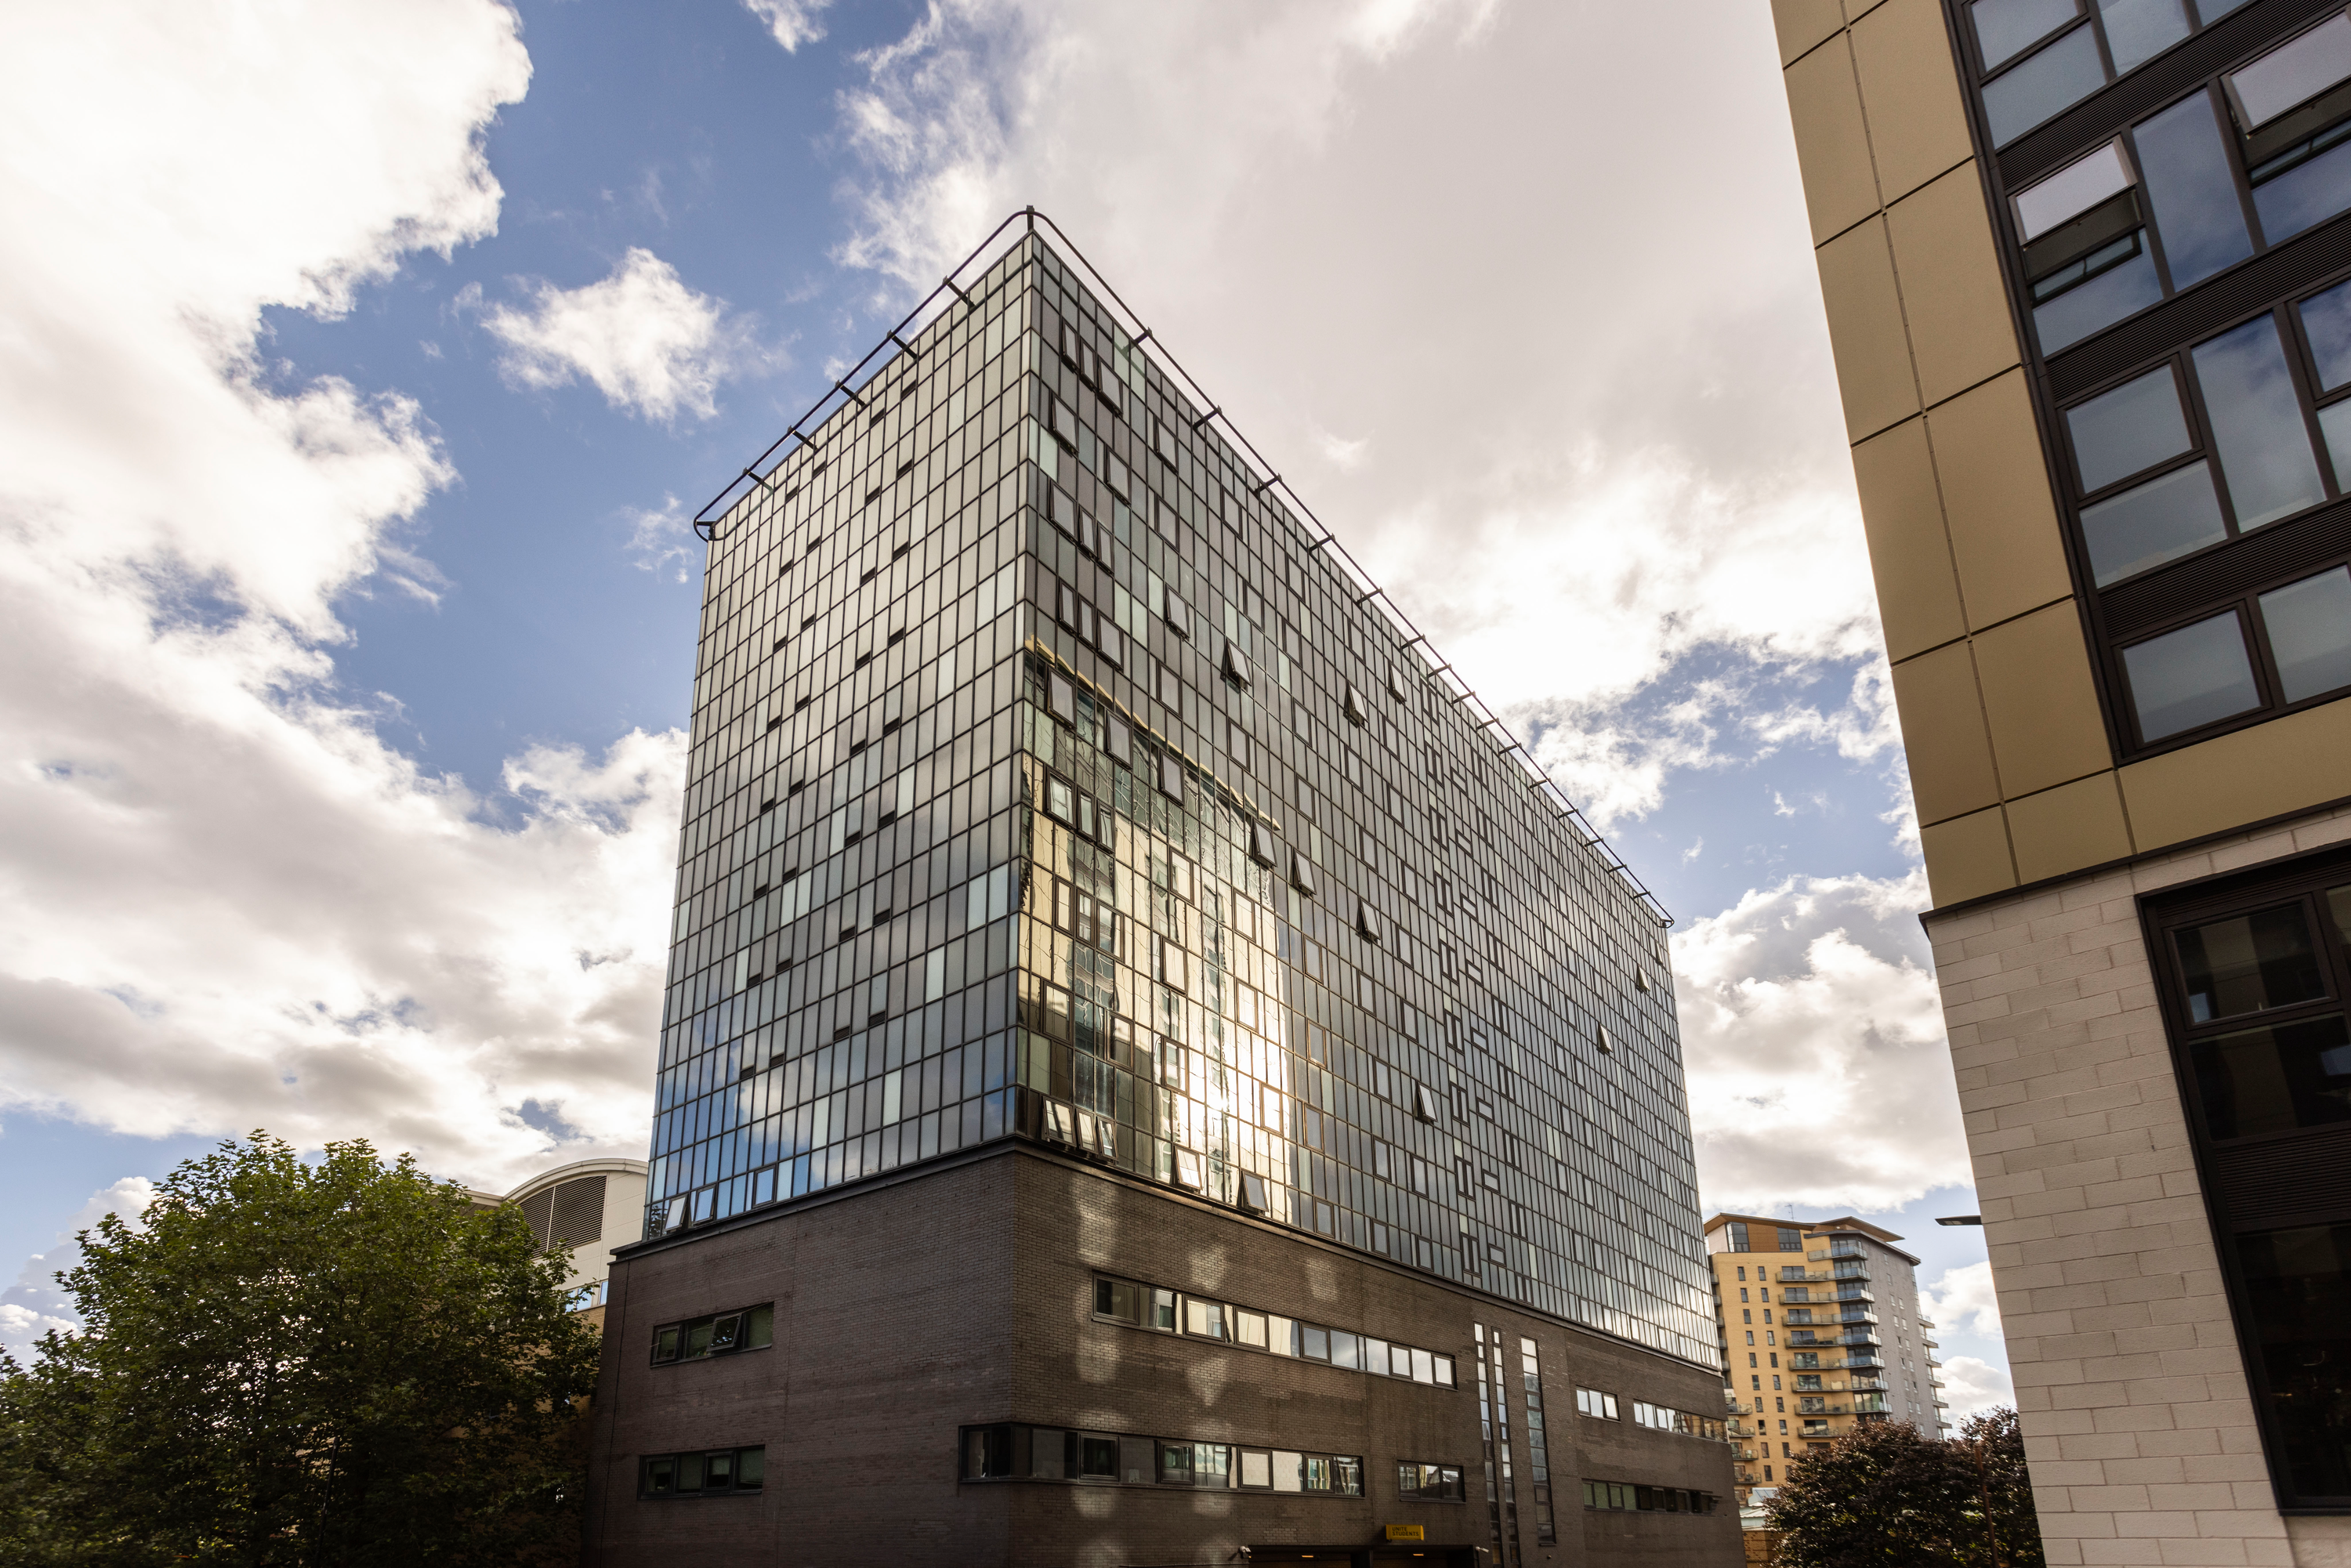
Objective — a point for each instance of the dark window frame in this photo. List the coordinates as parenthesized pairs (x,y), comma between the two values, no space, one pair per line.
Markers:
(649,1464)
(2163,916)
(2168,597)
(746,1325)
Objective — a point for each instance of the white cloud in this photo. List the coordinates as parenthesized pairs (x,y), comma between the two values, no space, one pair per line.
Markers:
(1971,1383)
(1812,1005)
(662,539)
(35,1304)
(1962,1300)
(793,22)
(1608,442)
(230,903)
(650,344)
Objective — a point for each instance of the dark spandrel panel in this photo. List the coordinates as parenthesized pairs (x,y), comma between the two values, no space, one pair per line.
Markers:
(1047,782)
(2298,1284)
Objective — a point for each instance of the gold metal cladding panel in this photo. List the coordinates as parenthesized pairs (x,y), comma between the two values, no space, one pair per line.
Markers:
(1910,91)
(1967,857)
(2288,765)
(1953,297)
(1865,331)
(1832,144)
(2040,701)
(1943,732)
(2068,828)
(1803,24)
(1909,556)
(2003,521)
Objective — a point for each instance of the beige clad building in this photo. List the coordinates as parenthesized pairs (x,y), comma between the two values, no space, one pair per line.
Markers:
(2084,266)
(1821,1334)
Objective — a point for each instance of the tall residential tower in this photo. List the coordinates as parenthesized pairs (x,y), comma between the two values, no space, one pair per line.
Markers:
(2087,265)
(1149,1069)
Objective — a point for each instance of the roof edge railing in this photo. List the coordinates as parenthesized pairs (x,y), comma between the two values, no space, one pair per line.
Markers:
(1440,669)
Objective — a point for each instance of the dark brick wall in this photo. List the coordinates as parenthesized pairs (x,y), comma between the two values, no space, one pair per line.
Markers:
(962,1295)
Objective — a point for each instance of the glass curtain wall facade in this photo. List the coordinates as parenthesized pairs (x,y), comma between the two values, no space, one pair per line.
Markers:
(1050,778)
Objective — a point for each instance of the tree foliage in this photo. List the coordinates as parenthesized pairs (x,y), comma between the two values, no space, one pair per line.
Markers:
(304,1364)
(1884,1495)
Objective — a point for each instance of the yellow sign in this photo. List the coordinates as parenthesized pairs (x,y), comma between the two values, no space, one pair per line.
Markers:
(1406,1532)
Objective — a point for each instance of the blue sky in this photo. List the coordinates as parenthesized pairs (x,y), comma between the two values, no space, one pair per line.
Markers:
(355,400)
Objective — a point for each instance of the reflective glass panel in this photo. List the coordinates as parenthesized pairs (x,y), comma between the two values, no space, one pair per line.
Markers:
(2335,428)
(2327,322)
(2257,431)
(2275,1079)
(2309,193)
(2165,517)
(2298,1284)
(2073,189)
(2117,291)
(2309,626)
(2135,426)
(2184,164)
(2061,75)
(2250,963)
(2005,27)
(2211,10)
(2196,675)
(2138,30)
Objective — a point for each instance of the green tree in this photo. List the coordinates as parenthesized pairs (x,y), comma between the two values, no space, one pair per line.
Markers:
(341,1364)
(1884,1494)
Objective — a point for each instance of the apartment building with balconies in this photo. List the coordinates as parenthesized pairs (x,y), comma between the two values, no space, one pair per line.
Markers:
(1820,1332)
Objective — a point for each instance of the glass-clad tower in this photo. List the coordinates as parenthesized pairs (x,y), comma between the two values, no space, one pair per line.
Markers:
(1136,1027)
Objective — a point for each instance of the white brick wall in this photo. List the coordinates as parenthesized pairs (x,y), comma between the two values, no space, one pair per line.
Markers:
(2136,1417)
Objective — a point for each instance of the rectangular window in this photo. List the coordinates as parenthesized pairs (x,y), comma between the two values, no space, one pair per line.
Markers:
(717,1472)
(722,1334)
(1429,1483)
(2255,973)
(1015,1451)
(1596,1405)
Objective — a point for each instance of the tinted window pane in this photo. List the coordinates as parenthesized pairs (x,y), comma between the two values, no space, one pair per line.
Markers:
(2335,428)
(2250,963)
(2064,73)
(2298,1284)
(2257,428)
(2212,9)
(2145,527)
(2005,27)
(2073,189)
(2309,625)
(2275,1079)
(2137,30)
(2135,426)
(2304,195)
(2193,677)
(2101,302)
(2326,321)
(750,1468)
(2293,73)
(2185,166)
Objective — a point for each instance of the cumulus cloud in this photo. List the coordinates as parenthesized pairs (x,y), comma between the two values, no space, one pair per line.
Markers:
(34,1305)
(1612,467)
(1971,1383)
(650,344)
(793,22)
(230,902)
(1811,1005)
(1962,1300)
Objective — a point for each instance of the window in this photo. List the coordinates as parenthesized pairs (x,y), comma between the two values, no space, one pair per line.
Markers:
(2043,55)
(1146,1306)
(1429,1483)
(1630,1497)
(717,1472)
(1015,1451)
(2256,974)
(1593,1403)
(722,1334)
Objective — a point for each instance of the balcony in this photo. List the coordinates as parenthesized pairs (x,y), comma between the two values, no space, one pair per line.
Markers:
(1851,1336)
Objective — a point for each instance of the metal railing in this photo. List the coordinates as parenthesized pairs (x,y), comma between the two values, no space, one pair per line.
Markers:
(760,471)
